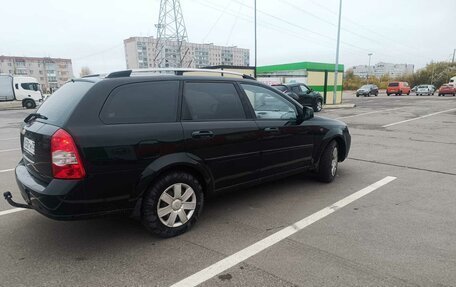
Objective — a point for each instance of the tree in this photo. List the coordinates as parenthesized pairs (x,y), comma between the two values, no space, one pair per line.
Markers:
(85,71)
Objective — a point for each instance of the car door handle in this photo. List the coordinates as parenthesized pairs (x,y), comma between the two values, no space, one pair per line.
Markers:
(202,134)
(271,130)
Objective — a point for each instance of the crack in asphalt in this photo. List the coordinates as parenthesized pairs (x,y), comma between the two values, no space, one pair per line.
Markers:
(403,166)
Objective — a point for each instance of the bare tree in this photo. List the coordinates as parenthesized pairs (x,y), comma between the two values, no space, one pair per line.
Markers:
(85,71)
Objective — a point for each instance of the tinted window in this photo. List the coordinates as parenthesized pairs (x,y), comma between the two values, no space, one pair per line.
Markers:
(393,85)
(296,90)
(212,101)
(62,103)
(269,105)
(150,102)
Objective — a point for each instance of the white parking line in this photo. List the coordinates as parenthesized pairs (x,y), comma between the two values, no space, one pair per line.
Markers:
(368,113)
(6,170)
(8,139)
(9,211)
(11,149)
(417,118)
(261,245)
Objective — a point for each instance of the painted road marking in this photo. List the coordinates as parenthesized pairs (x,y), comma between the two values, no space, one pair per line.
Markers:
(11,149)
(368,113)
(9,211)
(261,245)
(417,118)
(6,170)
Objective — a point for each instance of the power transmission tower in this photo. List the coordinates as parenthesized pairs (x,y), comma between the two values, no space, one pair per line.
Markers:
(171,35)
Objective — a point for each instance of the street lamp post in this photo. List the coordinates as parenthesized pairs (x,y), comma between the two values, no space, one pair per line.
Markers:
(336,69)
(369,68)
(255,20)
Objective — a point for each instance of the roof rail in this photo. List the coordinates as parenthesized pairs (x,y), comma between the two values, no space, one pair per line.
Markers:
(175,71)
(92,76)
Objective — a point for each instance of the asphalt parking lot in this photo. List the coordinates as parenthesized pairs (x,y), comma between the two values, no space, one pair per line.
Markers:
(400,233)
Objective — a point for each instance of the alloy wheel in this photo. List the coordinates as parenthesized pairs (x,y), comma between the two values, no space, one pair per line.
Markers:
(176,205)
(334,161)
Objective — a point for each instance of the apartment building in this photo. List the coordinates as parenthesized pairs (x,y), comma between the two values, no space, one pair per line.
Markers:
(380,69)
(140,52)
(51,73)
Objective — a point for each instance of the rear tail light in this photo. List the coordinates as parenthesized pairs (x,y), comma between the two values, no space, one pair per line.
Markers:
(66,162)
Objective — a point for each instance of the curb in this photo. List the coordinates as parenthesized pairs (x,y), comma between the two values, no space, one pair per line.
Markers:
(339,106)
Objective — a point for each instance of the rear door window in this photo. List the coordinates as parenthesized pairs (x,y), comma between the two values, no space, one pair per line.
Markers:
(212,101)
(393,85)
(58,107)
(150,102)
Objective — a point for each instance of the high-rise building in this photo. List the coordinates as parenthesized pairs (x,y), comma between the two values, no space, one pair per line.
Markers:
(380,69)
(140,52)
(51,73)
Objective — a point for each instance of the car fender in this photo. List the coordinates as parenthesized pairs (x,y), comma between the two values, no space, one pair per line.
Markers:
(332,134)
(174,161)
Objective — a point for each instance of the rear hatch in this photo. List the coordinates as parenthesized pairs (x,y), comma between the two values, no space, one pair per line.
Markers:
(423,89)
(37,131)
(393,87)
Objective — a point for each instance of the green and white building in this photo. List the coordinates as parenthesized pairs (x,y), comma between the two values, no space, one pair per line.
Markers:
(318,76)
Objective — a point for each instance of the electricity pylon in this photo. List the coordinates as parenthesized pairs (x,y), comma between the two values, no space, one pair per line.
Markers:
(171,35)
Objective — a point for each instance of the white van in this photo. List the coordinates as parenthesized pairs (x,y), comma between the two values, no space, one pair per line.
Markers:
(20,88)
(453,81)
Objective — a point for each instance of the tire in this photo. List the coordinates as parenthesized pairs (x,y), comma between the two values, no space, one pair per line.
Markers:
(400,93)
(327,168)
(29,104)
(357,95)
(161,195)
(440,95)
(408,94)
(318,106)
(388,95)
(376,94)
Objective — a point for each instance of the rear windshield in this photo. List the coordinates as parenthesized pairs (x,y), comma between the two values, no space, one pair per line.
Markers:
(58,107)
(393,85)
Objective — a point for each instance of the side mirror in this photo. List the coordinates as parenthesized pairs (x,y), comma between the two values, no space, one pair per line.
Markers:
(294,96)
(304,113)
(308,113)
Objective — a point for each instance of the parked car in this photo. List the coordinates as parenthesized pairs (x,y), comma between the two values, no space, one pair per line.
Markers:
(447,89)
(367,90)
(158,145)
(20,88)
(303,94)
(425,90)
(398,88)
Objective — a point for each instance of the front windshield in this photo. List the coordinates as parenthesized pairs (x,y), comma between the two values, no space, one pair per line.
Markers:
(365,87)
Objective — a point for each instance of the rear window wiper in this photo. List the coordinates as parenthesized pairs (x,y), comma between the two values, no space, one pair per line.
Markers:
(33,116)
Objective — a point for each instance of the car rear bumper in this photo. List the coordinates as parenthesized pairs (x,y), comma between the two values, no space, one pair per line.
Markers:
(61,199)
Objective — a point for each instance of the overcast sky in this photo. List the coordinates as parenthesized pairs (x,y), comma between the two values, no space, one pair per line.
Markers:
(91,32)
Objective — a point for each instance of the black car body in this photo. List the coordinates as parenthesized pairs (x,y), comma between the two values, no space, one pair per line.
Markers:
(367,90)
(101,145)
(303,94)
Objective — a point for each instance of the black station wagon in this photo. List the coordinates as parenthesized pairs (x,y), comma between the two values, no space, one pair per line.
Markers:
(158,144)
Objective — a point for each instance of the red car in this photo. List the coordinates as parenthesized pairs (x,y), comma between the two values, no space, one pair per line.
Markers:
(398,88)
(447,89)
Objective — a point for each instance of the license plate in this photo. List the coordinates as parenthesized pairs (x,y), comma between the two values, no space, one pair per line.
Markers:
(29,146)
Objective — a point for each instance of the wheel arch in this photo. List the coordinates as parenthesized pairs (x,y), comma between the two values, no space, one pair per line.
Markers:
(339,138)
(180,161)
